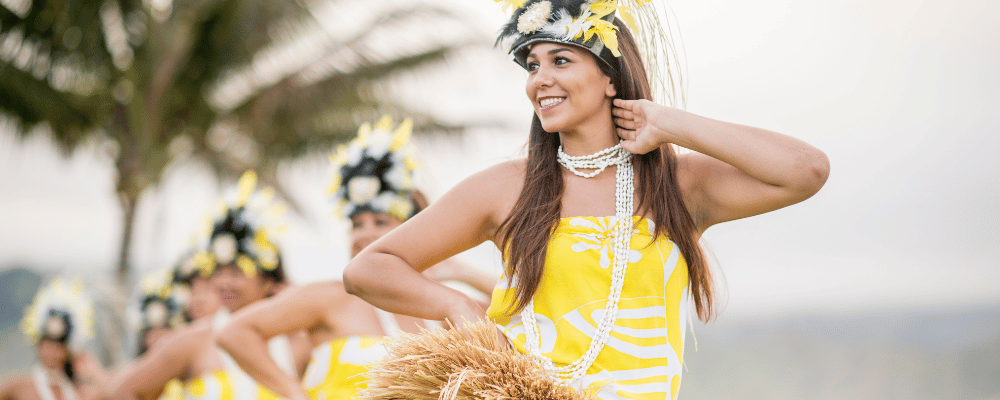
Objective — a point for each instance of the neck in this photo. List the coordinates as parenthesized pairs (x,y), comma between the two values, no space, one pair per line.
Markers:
(591,136)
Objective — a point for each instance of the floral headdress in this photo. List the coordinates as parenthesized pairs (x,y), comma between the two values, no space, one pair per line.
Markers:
(61,311)
(375,171)
(159,307)
(590,24)
(241,234)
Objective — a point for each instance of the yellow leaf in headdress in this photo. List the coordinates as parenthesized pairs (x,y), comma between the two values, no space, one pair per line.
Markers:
(402,134)
(266,195)
(364,131)
(605,31)
(510,5)
(384,124)
(626,14)
(334,186)
(340,156)
(248,182)
(204,262)
(602,8)
(246,265)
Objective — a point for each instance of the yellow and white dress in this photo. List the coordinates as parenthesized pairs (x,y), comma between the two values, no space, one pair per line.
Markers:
(642,357)
(212,386)
(230,382)
(336,368)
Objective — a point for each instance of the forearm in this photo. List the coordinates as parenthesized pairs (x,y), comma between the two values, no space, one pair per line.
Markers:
(769,157)
(389,283)
(249,349)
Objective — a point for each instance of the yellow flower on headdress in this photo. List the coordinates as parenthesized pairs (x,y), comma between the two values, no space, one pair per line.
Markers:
(510,5)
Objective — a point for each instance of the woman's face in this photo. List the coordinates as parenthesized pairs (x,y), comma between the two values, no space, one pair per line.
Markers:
(237,290)
(52,354)
(367,227)
(205,299)
(566,87)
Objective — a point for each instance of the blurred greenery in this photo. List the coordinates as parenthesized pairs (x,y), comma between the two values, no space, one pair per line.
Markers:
(234,85)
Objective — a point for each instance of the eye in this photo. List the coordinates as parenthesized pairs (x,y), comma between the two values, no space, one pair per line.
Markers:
(355,224)
(532,66)
(381,222)
(561,60)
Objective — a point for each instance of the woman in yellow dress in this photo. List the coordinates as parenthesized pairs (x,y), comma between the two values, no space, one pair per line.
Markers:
(599,226)
(373,186)
(243,264)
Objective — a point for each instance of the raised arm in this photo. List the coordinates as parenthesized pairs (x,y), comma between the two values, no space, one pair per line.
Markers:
(294,309)
(165,361)
(386,273)
(741,170)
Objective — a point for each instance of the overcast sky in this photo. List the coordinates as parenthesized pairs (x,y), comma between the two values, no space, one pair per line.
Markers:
(900,94)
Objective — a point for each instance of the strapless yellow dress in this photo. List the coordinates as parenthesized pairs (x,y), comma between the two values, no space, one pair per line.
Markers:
(642,357)
(335,371)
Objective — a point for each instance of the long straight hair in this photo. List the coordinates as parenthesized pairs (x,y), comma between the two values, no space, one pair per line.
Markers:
(524,235)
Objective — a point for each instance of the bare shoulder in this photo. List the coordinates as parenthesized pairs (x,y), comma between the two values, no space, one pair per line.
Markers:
(497,186)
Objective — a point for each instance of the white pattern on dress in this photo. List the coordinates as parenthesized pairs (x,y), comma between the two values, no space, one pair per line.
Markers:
(601,239)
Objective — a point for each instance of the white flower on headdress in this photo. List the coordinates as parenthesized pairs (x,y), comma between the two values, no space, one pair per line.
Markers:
(361,189)
(383,201)
(532,19)
(224,248)
(55,327)
(397,176)
(156,314)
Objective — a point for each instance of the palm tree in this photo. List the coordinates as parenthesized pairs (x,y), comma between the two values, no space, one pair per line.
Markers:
(234,84)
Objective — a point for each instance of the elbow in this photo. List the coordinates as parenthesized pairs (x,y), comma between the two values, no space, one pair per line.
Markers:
(352,278)
(815,170)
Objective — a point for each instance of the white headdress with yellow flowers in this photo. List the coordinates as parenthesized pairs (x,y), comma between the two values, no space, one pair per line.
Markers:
(590,24)
(375,171)
(243,230)
(158,307)
(62,311)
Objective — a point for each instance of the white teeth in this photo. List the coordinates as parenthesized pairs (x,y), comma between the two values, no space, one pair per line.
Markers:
(550,101)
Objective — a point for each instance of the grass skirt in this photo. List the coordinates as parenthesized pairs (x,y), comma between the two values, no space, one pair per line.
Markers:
(460,364)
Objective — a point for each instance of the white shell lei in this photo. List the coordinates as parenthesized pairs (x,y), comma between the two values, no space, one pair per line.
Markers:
(622,229)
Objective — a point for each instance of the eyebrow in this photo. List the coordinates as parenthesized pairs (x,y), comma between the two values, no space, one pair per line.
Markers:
(550,52)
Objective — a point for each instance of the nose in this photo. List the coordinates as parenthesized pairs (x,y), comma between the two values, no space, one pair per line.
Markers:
(542,77)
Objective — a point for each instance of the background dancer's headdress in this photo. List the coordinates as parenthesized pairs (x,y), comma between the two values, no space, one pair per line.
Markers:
(158,307)
(61,311)
(375,171)
(589,24)
(242,233)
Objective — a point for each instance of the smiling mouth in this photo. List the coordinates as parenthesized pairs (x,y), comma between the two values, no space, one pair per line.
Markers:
(547,103)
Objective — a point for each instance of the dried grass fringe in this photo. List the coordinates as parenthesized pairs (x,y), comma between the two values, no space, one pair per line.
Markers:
(461,364)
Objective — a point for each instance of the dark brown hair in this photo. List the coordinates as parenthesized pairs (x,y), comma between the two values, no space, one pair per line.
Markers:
(524,235)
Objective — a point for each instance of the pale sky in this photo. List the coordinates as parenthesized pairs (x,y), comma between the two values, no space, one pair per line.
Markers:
(899,94)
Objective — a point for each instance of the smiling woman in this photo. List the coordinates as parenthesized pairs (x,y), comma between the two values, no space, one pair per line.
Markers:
(599,268)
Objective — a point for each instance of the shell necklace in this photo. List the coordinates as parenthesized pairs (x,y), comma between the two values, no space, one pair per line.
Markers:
(622,230)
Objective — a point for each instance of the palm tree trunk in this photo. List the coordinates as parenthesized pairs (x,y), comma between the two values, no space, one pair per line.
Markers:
(124,271)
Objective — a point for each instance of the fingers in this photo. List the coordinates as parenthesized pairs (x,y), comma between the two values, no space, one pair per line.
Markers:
(626,104)
(625,134)
(626,123)
(622,113)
